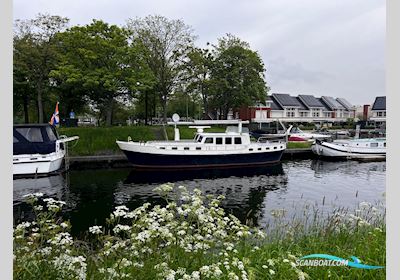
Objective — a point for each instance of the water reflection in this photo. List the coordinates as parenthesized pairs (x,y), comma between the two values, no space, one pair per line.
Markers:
(245,189)
(251,193)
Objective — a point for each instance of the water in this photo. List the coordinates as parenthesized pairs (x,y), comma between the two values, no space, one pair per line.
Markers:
(251,193)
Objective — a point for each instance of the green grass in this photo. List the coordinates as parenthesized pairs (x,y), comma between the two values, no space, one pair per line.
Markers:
(101,140)
(299,145)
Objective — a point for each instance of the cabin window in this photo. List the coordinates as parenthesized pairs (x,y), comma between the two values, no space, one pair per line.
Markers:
(174,148)
(228,140)
(281,147)
(198,148)
(259,149)
(186,148)
(209,140)
(200,138)
(238,140)
(250,149)
(218,140)
(275,148)
(32,134)
(267,148)
(384,144)
(374,144)
(50,133)
(162,148)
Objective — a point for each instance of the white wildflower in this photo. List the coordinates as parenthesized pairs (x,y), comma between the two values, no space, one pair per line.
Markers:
(95,229)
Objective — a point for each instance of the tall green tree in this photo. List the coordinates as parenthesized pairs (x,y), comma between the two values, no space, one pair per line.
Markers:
(237,75)
(199,65)
(35,56)
(100,60)
(168,42)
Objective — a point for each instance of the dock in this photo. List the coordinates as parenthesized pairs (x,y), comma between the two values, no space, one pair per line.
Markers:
(120,160)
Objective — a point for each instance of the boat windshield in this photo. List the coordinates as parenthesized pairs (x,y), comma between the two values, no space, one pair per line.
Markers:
(296,130)
(200,138)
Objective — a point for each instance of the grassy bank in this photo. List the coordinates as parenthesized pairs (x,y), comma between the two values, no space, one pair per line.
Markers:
(193,238)
(101,140)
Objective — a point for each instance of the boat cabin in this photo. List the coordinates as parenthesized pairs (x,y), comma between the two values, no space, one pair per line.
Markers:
(34,139)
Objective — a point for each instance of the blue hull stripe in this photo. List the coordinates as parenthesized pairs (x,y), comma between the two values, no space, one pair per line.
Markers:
(144,160)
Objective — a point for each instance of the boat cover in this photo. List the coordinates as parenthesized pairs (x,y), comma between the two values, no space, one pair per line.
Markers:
(34,139)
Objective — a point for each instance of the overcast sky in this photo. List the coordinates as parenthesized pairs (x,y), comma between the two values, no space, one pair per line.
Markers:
(319,47)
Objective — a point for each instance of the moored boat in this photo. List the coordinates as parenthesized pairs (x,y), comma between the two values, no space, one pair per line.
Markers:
(370,148)
(206,150)
(37,149)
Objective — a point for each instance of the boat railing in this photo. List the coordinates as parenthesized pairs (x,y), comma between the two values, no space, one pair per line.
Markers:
(269,140)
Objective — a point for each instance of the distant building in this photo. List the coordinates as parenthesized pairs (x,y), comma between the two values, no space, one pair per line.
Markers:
(378,110)
(303,108)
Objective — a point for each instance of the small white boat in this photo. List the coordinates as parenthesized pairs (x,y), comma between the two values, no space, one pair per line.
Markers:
(206,150)
(37,149)
(295,134)
(371,148)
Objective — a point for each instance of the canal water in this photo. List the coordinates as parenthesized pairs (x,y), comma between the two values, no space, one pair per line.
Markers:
(251,193)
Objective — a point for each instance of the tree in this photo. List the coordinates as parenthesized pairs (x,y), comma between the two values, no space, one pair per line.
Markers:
(35,56)
(199,69)
(99,59)
(237,75)
(168,42)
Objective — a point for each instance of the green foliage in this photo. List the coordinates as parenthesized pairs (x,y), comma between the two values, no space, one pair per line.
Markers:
(99,61)
(35,55)
(167,42)
(237,76)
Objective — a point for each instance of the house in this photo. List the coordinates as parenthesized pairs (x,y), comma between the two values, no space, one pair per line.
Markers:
(378,110)
(301,108)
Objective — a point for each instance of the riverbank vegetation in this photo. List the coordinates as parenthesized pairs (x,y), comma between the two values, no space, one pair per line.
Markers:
(191,237)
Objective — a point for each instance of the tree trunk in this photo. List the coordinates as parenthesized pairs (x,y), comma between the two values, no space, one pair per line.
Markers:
(109,113)
(40,105)
(164,105)
(26,110)
(145,108)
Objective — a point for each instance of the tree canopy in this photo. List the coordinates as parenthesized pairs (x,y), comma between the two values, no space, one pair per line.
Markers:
(98,59)
(151,65)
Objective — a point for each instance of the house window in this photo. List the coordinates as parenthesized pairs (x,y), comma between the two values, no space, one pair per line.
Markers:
(290,112)
(327,114)
(209,140)
(303,114)
(218,140)
(315,112)
(228,140)
(238,140)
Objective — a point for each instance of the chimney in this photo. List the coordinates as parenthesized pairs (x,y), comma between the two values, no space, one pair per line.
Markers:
(365,112)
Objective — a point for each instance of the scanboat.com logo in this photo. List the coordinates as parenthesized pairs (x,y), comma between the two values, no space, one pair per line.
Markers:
(329,260)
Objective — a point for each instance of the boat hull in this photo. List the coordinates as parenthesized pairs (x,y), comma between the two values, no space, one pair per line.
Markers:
(168,161)
(329,150)
(37,164)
